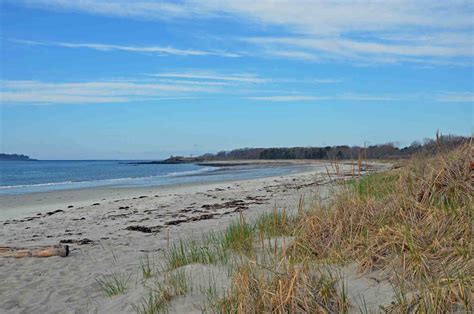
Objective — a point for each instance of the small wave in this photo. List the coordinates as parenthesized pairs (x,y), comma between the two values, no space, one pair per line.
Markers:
(30,185)
(64,183)
(105,181)
(187,173)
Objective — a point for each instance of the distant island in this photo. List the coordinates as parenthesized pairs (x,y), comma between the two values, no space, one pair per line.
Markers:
(170,161)
(15,157)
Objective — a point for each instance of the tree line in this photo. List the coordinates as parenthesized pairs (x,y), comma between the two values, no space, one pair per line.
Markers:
(381,151)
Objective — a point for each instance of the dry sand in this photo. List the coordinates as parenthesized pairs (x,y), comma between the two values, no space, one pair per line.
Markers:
(95,222)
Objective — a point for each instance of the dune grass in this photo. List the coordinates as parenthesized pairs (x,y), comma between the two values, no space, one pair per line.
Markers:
(216,247)
(238,236)
(377,185)
(147,267)
(413,223)
(283,287)
(113,284)
(277,223)
(206,251)
(160,296)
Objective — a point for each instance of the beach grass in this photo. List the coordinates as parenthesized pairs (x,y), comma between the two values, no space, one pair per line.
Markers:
(284,288)
(277,223)
(147,267)
(206,251)
(415,222)
(412,223)
(161,294)
(238,236)
(114,284)
(377,185)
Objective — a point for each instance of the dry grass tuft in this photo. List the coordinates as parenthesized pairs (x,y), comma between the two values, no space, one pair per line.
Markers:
(283,288)
(415,222)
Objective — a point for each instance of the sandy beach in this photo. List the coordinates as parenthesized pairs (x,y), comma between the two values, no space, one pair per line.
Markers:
(111,229)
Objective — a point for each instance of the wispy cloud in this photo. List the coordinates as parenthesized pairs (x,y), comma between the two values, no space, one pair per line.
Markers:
(366,97)
(55,98)
(160,50)
(128,91)
(148,9)
(284,98)
(292,54)
(456,97)
(326,81)
(320,17)
(194,82)
(148,87)
(319,49)
(242,77)
(219,78)
(35,92)
(344,97)
(433,32)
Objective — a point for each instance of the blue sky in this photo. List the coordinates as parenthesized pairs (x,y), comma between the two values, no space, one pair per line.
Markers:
(145,79)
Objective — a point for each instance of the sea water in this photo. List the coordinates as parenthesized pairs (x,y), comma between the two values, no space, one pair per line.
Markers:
(20,177)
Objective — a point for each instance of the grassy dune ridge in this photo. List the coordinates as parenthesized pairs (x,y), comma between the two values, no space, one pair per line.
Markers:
(412,224)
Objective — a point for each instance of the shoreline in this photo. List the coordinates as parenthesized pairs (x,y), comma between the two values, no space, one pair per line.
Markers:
(206,170)
(114,234)
(16,206)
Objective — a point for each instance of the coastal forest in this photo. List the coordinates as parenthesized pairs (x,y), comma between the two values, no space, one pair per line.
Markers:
(381,151)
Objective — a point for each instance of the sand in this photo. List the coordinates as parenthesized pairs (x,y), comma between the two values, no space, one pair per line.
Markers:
(96,223)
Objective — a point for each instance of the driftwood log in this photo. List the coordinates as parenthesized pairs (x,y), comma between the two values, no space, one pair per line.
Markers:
(44,251)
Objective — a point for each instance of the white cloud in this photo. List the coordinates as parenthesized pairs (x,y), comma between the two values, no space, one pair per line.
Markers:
(53,98)
(456,97)
(326,81)
(316,17)
(363,32)
(124,91)
(344,97)
(35,92)
(241,77)
(148,9)
(217,78)
(127,48)
(337,17)
(153,86)
(459,97)
(283,98)
(318,49)
(190,82)
(391,31)
(365,97)
(293,54)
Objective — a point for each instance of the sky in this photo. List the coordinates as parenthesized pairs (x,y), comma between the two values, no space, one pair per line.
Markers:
(117,79)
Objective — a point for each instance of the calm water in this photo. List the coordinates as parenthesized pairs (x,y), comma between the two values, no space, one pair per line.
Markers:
(41,176)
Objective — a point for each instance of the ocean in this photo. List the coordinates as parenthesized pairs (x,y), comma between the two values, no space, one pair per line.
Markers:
(22,177)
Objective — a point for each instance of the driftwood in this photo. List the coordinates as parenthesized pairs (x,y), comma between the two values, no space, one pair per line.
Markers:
(44,251)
